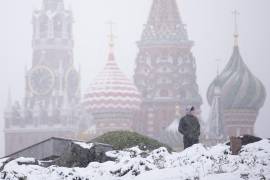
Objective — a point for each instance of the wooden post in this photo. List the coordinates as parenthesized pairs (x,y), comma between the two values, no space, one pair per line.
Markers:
(235,144)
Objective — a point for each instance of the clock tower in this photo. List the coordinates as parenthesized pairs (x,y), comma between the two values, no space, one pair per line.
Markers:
(52,84)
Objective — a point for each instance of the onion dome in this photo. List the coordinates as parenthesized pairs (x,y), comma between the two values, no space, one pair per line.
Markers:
(112,91)
(240,89)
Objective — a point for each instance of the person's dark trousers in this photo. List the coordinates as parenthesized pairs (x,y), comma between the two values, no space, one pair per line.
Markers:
(188,141)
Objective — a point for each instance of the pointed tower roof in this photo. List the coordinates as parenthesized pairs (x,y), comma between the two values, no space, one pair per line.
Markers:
(53,4)
(9,101)
(164,24)
(240,89)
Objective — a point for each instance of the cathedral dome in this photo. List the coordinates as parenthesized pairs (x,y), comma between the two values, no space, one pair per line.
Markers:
(240,89)
(112,91)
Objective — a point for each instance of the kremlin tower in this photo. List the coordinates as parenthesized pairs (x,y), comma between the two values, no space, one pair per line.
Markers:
(112,99)
(165,72)
(52,84)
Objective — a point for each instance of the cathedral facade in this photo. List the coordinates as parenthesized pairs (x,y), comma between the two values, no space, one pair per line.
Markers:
(165,71)
(52,84)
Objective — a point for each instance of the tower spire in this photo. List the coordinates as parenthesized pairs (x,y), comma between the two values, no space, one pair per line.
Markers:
(111,35)
(164,23)
(111,41)
(9,100)
(53,4)
(236,34)
(218,62)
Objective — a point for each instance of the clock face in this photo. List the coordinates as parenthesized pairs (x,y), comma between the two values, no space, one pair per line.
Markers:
(41,80)
(72,81)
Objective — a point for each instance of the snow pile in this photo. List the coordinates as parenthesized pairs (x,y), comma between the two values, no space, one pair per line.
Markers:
(2,161)
(193,163)
(85,145)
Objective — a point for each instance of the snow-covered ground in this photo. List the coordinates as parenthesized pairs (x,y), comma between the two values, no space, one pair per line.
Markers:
(195,163)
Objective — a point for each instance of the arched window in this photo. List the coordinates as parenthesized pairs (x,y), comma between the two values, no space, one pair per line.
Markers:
(68,27)
(170,59)
(44,26)
(182,94)
(58,25)
(36,27)
(164,93)
(148,60)
(180,60)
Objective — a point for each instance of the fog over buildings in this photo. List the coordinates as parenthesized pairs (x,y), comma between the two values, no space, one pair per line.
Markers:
(209,25)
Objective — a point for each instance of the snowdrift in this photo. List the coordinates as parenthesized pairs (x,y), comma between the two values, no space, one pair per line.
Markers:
(194,163)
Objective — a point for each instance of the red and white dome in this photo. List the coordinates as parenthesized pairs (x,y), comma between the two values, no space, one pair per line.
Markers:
(112,91)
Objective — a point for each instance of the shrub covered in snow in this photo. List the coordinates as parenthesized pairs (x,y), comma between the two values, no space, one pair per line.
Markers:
(124,139)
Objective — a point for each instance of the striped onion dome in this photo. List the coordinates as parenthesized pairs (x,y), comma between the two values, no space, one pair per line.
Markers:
(240,89)
(112,91)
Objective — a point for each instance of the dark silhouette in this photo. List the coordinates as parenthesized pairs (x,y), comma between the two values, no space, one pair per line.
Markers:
(190,128)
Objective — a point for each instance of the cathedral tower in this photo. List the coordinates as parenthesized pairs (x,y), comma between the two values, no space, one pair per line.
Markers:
(112,99)
(241,95)
(51,84)
(165,70)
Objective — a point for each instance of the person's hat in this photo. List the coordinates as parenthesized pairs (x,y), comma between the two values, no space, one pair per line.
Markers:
(190,108)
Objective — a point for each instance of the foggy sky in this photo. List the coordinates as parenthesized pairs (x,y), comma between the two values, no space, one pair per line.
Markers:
(209,24)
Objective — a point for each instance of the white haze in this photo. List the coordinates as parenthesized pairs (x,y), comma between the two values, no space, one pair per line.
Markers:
(209,24)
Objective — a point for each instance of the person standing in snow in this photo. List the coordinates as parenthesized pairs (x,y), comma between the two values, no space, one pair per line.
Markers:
(190,128)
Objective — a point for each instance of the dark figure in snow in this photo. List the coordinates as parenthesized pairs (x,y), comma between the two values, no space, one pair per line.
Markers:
(190,128)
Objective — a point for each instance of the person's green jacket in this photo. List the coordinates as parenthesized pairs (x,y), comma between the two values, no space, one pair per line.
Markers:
(189,126)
